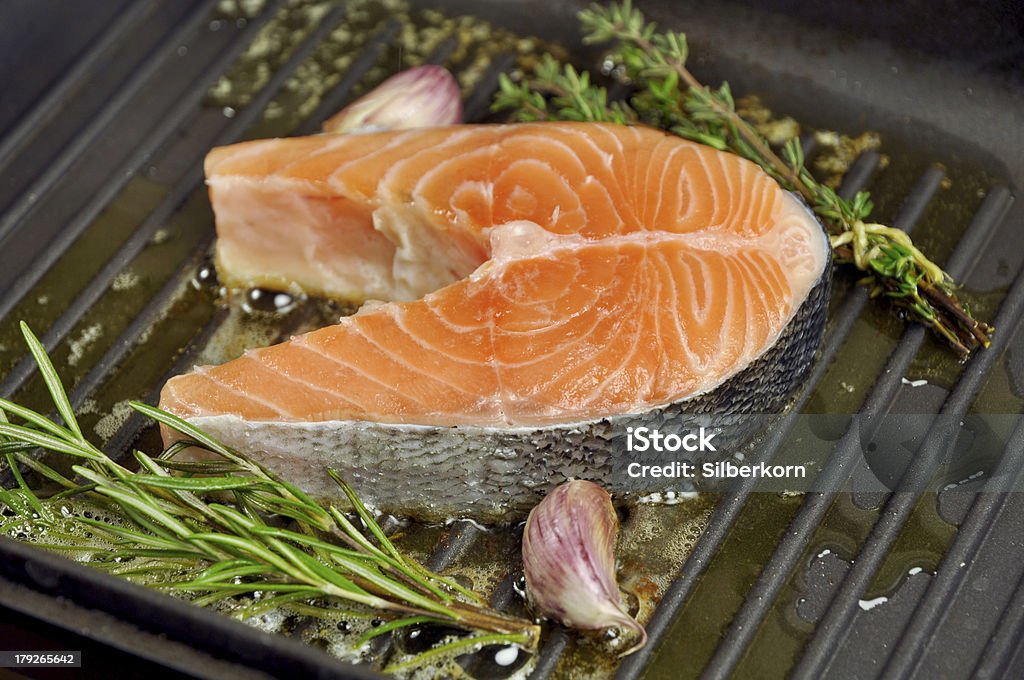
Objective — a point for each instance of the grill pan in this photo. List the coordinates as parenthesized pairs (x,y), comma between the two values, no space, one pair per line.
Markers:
(105,233)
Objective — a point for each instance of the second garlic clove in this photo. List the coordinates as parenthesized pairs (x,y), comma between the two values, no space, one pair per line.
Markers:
(569,560)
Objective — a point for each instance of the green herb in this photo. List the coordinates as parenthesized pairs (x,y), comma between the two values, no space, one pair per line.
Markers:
(214,528)
(666,95)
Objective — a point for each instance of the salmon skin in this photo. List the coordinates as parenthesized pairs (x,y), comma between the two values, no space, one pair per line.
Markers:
(534,290)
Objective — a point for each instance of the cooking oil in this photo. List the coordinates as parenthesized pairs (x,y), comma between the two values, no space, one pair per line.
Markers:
(655,540)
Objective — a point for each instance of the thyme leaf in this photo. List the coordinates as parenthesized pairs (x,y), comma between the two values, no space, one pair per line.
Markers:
(665,94)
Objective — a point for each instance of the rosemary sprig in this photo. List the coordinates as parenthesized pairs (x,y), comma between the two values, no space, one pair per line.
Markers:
(667,95)
(214,528)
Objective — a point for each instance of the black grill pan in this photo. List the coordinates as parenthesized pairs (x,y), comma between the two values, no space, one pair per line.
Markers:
(113,102)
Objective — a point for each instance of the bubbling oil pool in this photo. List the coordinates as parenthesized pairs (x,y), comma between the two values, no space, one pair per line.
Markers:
(334,629)
(645,575)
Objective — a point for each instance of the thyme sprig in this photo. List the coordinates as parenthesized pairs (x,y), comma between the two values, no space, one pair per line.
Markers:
(225,527)
(665,94)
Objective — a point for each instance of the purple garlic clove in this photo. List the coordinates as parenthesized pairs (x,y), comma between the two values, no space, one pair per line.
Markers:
(425,96)
(569,560)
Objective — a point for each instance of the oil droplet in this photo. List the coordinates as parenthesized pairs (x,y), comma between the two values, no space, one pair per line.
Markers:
(260,300)
(283,302)
(419,639)
(506,656)
(228,112)
(205,276)
(494,662)
(519,586)
(868,605)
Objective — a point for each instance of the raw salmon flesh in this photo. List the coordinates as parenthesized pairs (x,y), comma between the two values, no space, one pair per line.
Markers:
(533,290)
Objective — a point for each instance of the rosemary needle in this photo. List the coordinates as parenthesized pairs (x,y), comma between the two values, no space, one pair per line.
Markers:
(173,520)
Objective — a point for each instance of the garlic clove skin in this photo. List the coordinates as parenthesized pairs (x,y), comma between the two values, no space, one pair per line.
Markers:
(425,96)
(569,560)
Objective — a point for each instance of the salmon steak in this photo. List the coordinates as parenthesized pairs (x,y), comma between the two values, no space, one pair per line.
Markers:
(531,291)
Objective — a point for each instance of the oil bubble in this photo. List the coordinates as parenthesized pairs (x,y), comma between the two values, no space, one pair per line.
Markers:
(494,662)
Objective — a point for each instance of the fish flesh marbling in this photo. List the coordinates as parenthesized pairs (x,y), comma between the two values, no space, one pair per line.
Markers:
(533,290)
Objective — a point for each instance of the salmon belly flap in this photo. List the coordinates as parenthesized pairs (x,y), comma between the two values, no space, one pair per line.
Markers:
(535,280)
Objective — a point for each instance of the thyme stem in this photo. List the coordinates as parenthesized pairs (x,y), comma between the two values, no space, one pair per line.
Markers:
(744,129)
(667,95)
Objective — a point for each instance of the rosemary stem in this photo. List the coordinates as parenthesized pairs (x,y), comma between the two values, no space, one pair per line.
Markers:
(175,523)
(491,620)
